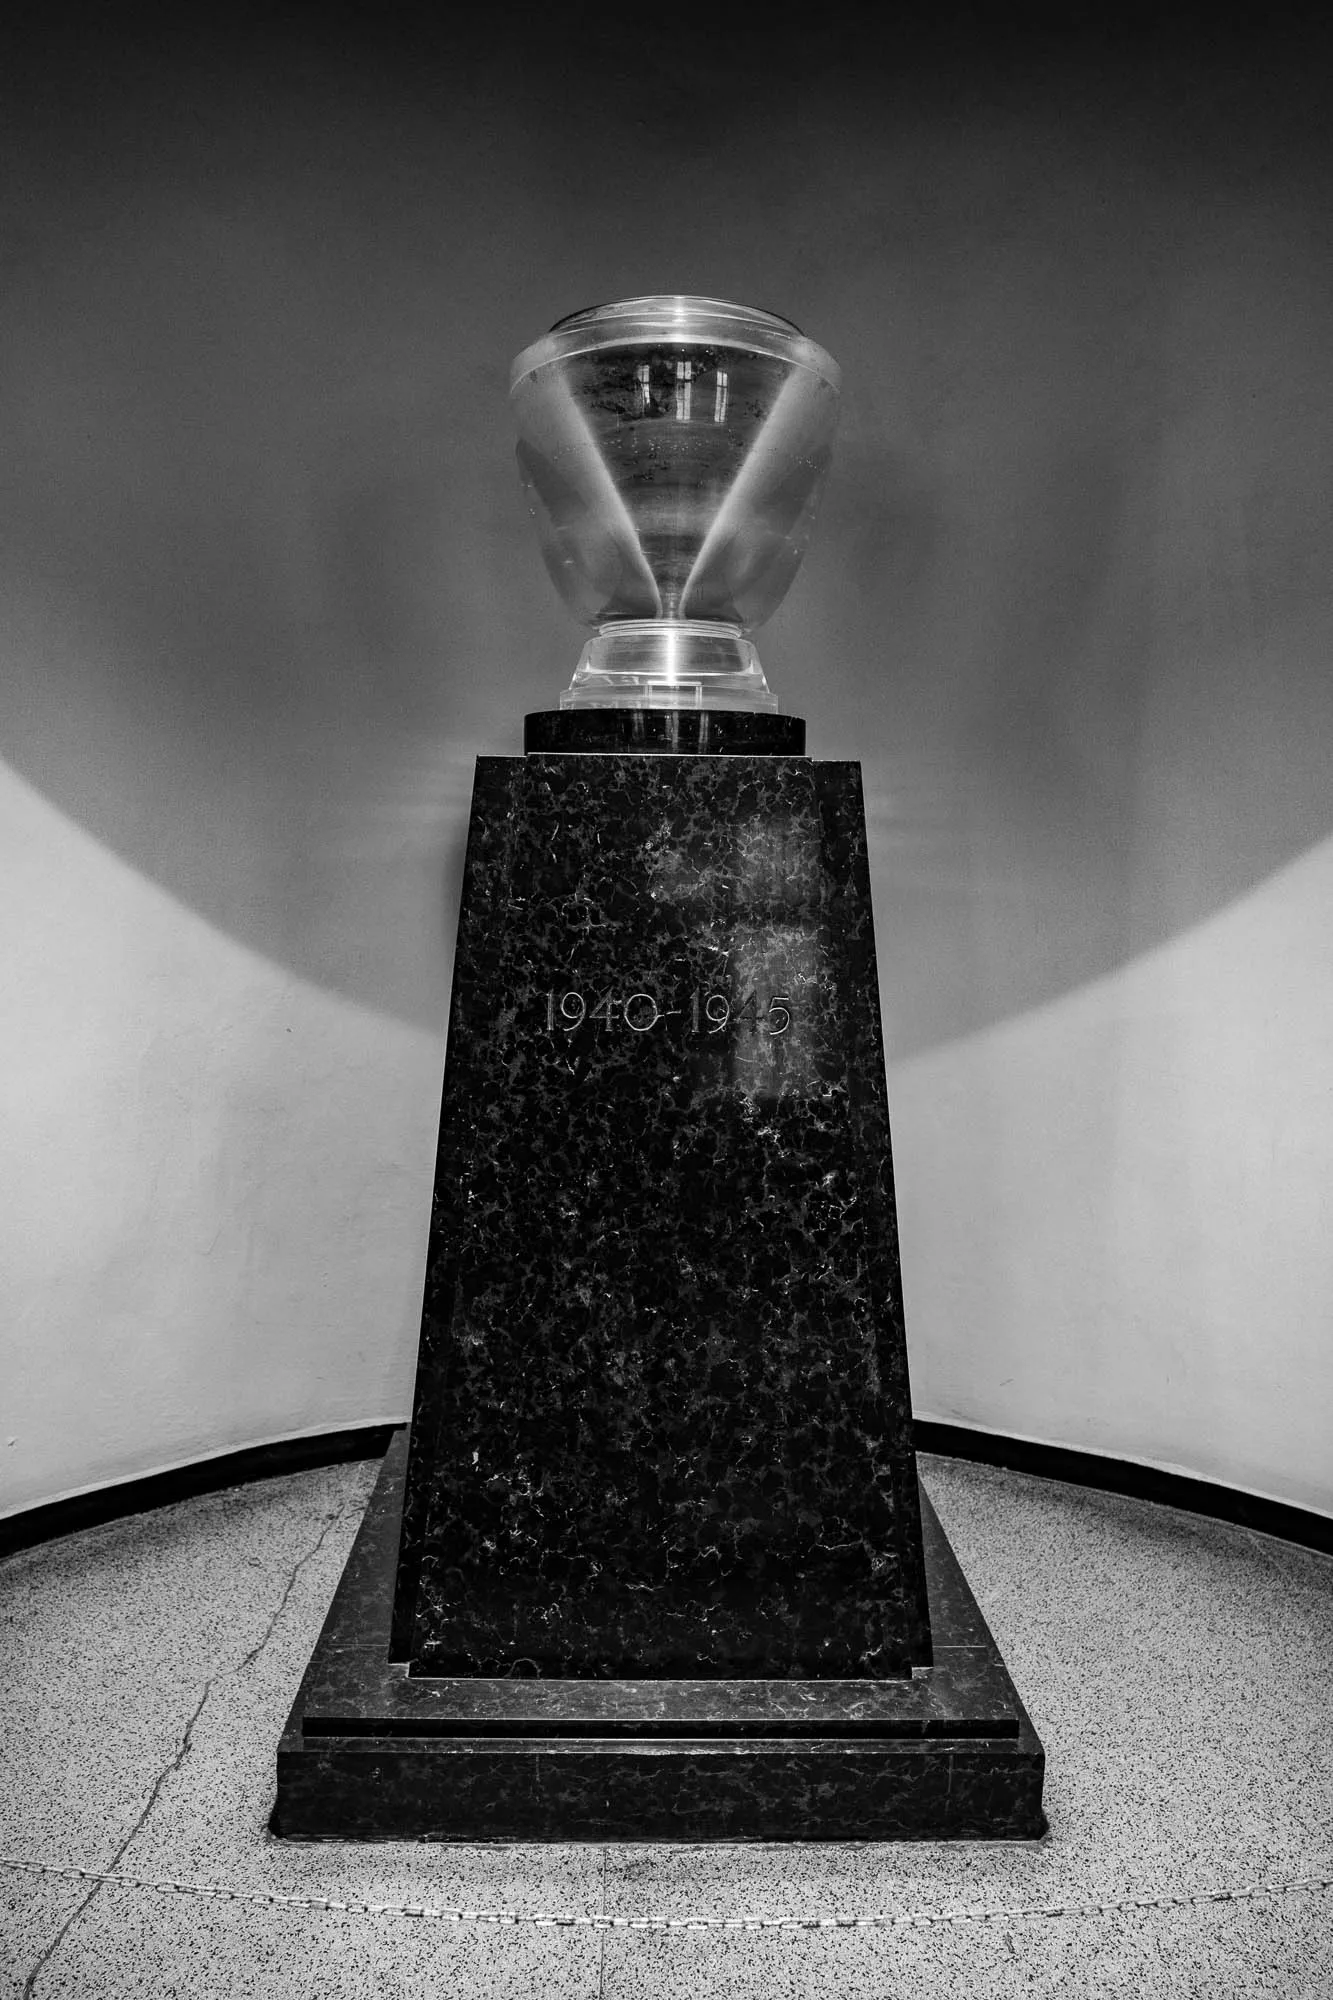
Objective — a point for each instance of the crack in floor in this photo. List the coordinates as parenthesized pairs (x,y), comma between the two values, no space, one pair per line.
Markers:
(186,1744)
(343,1513)
(174,1764)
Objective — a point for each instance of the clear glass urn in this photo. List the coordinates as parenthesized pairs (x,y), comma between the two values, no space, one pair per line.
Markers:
(673,450)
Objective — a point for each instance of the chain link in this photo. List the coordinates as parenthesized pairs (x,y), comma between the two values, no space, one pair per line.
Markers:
(983,1913)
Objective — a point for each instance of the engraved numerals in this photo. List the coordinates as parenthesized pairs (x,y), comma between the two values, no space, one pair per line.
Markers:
(706,1012)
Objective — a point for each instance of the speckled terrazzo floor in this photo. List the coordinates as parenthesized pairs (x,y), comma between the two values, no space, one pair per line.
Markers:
(1179,1672)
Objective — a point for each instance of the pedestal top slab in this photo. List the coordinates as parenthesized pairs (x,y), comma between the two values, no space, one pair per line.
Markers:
(692,732)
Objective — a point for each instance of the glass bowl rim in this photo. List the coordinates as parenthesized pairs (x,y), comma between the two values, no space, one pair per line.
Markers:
(676,319)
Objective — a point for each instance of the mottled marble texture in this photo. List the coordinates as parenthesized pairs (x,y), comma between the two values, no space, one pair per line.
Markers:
(372,1752)
(657,1565)
(662,1415)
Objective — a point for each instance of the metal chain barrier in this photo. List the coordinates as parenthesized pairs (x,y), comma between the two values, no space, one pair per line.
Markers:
(982,1913)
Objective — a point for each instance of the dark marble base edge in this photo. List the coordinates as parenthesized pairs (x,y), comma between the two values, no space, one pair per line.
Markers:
(572,1787)
(384,1792)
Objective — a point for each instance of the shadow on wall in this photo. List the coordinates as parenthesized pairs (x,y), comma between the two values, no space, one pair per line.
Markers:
(266,581)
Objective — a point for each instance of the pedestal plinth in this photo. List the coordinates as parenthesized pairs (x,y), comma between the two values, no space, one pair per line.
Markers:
(654,1563)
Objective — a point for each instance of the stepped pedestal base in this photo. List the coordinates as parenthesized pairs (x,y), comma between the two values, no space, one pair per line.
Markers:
(372,1752)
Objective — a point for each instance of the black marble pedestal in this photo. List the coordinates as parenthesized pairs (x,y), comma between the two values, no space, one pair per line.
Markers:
(655,1563)
(373,1752)
(662,1418)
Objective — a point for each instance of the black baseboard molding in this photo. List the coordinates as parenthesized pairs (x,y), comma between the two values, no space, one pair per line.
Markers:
(1045,1461)
(183,1482)
(1120,1475)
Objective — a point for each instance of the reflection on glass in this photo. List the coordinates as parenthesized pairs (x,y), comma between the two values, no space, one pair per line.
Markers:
(673,450)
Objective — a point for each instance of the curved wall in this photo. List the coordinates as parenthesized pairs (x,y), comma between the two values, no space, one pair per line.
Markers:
(266,588)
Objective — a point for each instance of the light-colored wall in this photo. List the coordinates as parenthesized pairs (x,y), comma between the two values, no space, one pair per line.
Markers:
(1116,1208)
(267,587)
